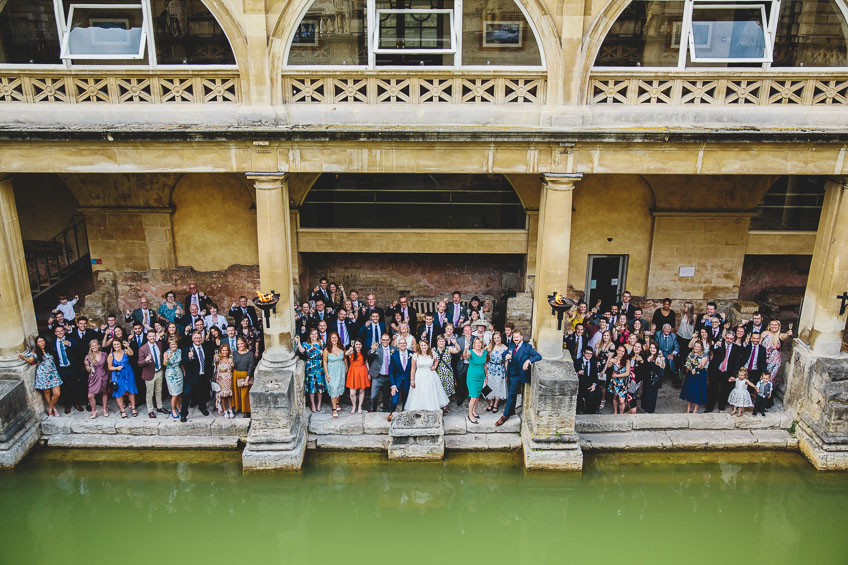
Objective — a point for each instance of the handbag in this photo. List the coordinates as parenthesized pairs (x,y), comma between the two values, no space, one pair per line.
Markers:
(214,386)
(486,390)
(633,387)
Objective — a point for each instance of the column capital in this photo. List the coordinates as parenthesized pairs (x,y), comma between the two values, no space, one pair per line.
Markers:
(561,181)
(267,181)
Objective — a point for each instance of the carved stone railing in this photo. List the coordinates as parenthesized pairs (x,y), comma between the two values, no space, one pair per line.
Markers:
(405,87)
(731,88)
(120,87)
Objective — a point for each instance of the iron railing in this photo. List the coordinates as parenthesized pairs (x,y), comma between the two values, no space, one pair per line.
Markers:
(52,261)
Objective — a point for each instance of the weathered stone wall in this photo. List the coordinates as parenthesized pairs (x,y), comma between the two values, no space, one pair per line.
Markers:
(130,238)
(420,274)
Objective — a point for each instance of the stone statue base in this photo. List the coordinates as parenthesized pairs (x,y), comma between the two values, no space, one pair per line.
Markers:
(417,436)
(550,412)
(19,427)
(277,436)
(817,391)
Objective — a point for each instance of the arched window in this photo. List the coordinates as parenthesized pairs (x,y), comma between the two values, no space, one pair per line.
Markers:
(122,32)
(412,201)
(429,33)
(706,33)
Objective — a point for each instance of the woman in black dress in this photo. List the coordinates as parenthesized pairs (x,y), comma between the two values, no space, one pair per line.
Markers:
(653,378)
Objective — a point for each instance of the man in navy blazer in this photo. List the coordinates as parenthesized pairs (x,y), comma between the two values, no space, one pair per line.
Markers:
(372,331)
(197,361)
(519,361)
(400,369)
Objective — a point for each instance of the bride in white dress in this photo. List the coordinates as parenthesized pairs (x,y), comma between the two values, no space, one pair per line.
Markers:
(426,391)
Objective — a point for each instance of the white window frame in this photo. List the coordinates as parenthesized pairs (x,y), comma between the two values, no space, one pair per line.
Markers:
(419,51)
(767,24)
(65,53)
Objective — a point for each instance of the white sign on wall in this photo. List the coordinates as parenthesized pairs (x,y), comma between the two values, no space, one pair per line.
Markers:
(687,271)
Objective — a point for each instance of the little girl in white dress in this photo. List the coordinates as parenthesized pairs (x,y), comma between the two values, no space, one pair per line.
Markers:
(739,397)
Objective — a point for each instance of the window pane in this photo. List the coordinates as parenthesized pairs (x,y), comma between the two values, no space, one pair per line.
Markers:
(792,203)
(412,201)
(646,34)
(331,33)
(105,32)
(811,33)
(186,33)
(496,33)
(728,33)
(420,30)
(28,33)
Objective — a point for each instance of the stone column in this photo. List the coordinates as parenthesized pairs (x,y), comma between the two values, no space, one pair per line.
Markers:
(274,235)
(17,316)
(552,255)
(821,326)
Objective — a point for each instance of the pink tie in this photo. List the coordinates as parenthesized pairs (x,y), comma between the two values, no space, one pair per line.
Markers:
(723,367)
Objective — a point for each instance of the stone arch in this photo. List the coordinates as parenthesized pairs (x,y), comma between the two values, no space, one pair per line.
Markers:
(237,38)
(290,15)
(205,240)
(595,36)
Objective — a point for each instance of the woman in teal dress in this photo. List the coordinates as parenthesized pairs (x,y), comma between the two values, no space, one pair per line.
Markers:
(171,310)
(122,376)
(315,383)
(476,377)
(174,376)
(335,367)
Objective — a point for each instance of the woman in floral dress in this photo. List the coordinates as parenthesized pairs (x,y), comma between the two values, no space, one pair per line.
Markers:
(603,350)
(496,372)
(620,366)
(224,378)
(772,340)
(174,376)
(47,378)
(315,381)
(444,369)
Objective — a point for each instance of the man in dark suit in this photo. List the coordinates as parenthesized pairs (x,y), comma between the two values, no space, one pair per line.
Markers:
(576,342)
(343,326)
(372,331)
(74,381)
(626,307)
(143,314)
(369,308)
(400,368)
(321,313)
(429,330)
(190,319)
(198,298)
(136,341)
(724,364)
(519,362)
(589,390)
(152,373)
(80,338)
(321,292)
(754,325)
(707,320)
(454,310)
(440,317)
(302,322)
(242,310)
(465,343)
(197,364)
(407,312)
(754,359)
(379,362)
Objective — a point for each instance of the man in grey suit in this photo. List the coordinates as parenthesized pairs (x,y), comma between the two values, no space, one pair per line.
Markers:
(465,341)
(379,357)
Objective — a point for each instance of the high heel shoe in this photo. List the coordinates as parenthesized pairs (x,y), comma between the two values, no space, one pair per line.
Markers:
(472,421)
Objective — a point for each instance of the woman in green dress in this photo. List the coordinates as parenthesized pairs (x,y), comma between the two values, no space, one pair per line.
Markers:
(476,376)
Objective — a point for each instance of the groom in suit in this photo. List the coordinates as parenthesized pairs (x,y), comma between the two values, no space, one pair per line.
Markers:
(379,361)
(519,361)
(400,368)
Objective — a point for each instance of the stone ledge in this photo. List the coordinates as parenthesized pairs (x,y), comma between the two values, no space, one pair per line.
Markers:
(121,441)
(595,423)
(712,439)
(361,442)
(16,448)
(659,421)
(625,441)
(483,442)
(323,423)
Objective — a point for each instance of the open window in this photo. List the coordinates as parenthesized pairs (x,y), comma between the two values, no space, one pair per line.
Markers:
(105,31)
(421,33)
(730,32)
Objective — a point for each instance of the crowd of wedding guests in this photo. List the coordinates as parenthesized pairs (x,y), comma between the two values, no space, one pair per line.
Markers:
(189,349)
(622,358)
(408,359)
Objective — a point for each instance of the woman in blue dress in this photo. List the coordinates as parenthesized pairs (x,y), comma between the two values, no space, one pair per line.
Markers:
(315,383)
(171,310)
(335,367)
(122,376)
(47,378)
(694,390)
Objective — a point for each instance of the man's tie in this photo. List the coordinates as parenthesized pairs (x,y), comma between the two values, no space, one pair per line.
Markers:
(63,358)
(723,367)
(429,334)
(403,360)
(343,333)
(146,318)
(155,351)
(375,329)
(200,357)
(752,361)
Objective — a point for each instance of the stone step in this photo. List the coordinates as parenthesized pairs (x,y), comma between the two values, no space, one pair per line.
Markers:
(124,441)
(688,439)
(197,425)
(611,423)
(375,423)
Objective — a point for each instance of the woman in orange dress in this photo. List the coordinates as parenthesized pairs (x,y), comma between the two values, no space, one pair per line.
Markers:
(357,375)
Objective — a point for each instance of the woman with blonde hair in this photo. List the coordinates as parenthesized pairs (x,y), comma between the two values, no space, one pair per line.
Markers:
(224,378)
(403,333)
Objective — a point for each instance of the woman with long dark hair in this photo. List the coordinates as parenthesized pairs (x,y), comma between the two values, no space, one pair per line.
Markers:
(357,375)
(47,378)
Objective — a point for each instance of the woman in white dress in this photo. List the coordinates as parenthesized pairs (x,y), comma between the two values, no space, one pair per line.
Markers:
(426,391)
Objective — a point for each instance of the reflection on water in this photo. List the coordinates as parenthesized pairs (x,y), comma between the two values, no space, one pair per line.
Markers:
(81,507)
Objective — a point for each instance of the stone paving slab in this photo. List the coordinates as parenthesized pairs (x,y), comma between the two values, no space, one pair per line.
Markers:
(659,421)
(323,423)
(122,441)
(612,423)
(687,439)
(361,442)
(625,441)
(455,424)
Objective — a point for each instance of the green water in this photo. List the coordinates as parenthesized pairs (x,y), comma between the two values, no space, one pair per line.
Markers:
(67,508)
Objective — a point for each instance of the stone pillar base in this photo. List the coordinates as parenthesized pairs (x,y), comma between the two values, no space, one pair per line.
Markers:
(19,428)
(817,391)
(558,454)
(550,344)
(277,436)
(417,436)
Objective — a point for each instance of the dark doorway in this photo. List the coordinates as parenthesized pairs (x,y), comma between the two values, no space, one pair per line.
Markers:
(605,279)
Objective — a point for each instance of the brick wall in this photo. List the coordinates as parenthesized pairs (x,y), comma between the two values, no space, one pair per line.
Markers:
(132,239)
(422,274)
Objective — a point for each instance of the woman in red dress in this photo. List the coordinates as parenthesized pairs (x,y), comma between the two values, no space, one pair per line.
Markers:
(357,375)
